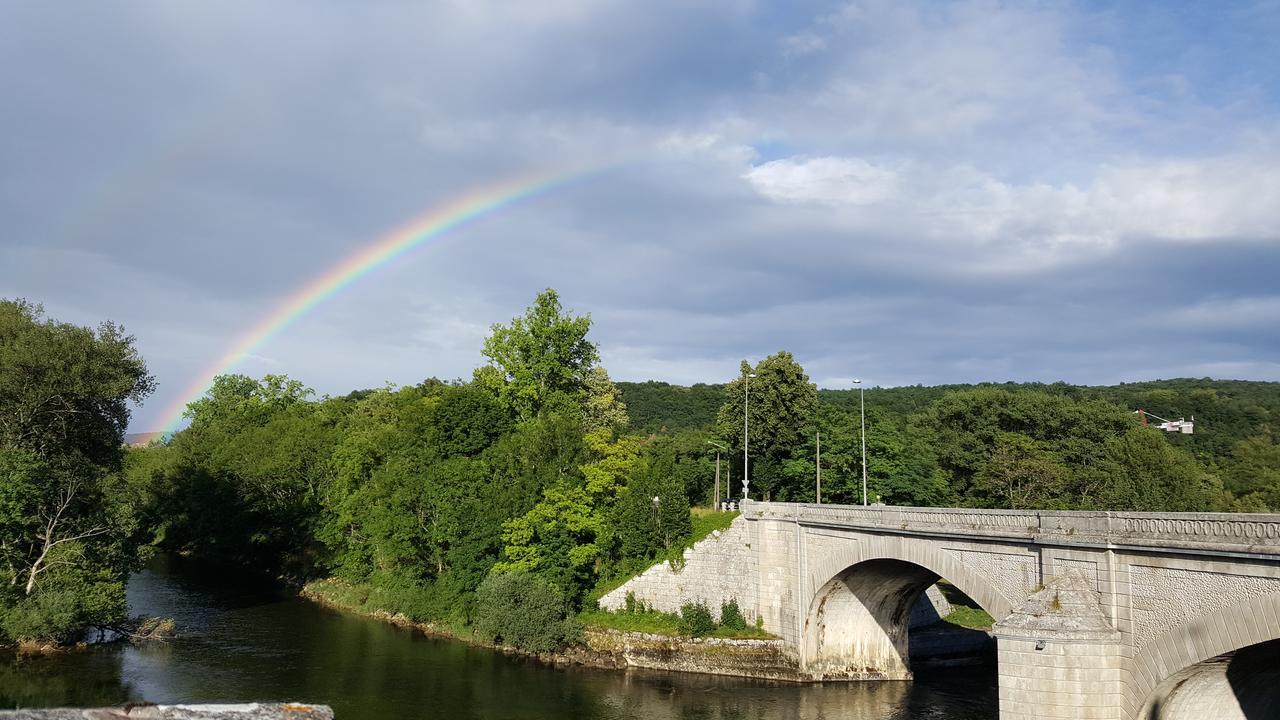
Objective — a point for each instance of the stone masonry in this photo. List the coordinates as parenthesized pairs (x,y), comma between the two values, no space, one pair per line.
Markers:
(718,569)
(1099,615)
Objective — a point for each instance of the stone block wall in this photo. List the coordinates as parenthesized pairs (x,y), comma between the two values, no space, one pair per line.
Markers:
(718,569)
(1072,679)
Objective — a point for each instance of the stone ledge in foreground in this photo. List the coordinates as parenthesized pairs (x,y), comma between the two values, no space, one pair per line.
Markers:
(235,711)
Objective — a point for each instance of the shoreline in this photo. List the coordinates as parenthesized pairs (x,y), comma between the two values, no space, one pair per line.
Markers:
(611,649)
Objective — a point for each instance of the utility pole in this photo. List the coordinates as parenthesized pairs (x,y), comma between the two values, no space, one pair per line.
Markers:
(862,414)
(746,467)
(818,494)
(718,447)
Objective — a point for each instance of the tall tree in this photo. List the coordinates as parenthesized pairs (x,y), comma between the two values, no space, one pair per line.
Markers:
(543,357)
(781,407)
(64,394)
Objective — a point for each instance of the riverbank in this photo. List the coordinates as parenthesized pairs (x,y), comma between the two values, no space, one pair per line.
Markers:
(617,649)
(601,647)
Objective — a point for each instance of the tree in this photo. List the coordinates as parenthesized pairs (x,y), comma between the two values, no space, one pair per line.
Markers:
(64,394)
(1254,470)
(543,357)
(781,406)
(653,511)
(603,408)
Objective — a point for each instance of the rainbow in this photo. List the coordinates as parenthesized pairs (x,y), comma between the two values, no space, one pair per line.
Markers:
(432,224)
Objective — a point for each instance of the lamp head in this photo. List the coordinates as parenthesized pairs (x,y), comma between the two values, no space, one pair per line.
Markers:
(857,381)
(751,375)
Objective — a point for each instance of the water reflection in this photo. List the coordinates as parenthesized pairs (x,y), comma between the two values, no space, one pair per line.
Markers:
(241,642)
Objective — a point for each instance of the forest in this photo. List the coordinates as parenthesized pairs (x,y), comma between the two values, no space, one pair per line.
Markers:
(500,506)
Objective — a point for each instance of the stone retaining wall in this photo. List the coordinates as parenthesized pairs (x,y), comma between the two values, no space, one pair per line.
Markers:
(717,569)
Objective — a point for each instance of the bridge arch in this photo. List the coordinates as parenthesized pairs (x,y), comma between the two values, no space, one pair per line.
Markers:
(1225,665)
(856,624)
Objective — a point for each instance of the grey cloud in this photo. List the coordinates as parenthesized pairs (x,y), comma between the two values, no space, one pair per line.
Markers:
(185,168)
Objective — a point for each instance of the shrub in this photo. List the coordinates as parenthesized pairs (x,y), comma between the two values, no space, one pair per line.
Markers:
(524,611)
(61,614)
(731,616)
(696,620)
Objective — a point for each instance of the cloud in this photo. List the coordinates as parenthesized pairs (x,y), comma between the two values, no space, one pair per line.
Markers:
(912,192)
(828,180)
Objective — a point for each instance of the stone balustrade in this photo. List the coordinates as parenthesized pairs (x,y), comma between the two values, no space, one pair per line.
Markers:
(1255,534)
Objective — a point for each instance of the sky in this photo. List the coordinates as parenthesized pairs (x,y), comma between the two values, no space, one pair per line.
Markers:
(911,193)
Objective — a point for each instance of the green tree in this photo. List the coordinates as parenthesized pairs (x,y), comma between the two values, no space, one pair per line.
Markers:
(64,394)
(1254,470)
(653,510)
(782,405)
(543,358)
(525,611)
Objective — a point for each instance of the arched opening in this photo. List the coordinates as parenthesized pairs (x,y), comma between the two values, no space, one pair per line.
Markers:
(859,624)
(1240,685)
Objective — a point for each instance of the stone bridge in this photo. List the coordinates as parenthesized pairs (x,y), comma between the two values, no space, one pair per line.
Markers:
(1123,616)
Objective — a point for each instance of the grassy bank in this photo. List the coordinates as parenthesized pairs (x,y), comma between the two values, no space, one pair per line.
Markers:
(380,603)
(659,623)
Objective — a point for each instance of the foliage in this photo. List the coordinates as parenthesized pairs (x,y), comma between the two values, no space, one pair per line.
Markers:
(524,611)
(696,620)
(780,403)
(542,357)
(731,616)
(65,530)
(642,621)
(653,510)
(658,407)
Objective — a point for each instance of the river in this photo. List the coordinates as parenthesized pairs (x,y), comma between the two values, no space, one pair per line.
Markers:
(239,641)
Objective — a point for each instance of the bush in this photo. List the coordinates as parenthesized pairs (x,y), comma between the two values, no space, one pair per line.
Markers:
(731,616)
(61,614)
(524,611)
(696,620)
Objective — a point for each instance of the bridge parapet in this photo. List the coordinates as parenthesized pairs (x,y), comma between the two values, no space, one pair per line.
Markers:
(1232,533)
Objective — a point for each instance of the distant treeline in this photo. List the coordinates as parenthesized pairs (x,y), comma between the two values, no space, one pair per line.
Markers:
(1235,420)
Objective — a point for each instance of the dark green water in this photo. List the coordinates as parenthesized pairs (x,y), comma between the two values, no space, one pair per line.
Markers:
(246,643)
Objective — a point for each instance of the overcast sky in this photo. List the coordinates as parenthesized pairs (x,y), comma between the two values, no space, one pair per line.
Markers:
(923,193)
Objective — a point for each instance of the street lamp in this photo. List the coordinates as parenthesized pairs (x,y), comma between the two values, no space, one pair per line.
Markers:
(862,414)
(746,473)
(718,447)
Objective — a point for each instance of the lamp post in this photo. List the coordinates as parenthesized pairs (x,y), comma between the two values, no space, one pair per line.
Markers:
(746,399)
(862,415)
(718,447)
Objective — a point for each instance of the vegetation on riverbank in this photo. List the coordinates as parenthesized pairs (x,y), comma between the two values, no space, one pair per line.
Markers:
(670,624)
(68,529)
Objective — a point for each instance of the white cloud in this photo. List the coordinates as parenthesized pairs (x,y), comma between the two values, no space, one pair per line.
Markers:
(828,180)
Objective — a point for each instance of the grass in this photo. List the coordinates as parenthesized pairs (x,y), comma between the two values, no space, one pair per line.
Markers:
(657,623)
(704,522)
(969,617)
(965,612)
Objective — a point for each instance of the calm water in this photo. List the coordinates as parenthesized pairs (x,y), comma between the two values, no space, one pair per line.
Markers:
(245,643)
